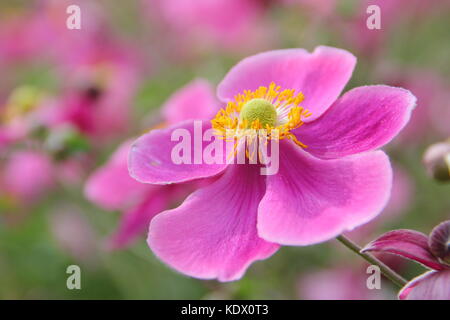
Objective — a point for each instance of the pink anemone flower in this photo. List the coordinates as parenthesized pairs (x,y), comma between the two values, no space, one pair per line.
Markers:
(27,33)
(432,252)
(111,187)
(73,233)
(331,177)
(205,24)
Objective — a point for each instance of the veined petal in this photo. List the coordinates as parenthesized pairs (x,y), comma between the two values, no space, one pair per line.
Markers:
(363,119)
(410,244)
(320,75)
(151,161)
(311,200)
(195,101)
(433,285)
(213,233)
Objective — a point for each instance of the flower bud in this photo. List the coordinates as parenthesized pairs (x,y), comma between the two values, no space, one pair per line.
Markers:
(439,242)
(437,161)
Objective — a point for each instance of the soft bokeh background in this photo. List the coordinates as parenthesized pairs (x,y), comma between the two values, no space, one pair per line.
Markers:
(135,54)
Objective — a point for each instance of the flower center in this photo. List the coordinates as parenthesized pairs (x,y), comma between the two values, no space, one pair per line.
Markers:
(276,111)
(259,110)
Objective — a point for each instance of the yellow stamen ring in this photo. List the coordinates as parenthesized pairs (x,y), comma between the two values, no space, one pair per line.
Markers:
(265,108)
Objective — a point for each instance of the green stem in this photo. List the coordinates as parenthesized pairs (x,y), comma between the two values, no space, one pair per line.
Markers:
(385,270)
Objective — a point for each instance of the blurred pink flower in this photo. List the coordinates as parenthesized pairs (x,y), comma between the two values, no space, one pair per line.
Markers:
(97,98)
(28,33)
(340,181)
(15,40)
(393,14)
(431,251)
(74,234)
(234,25)
(26,176)
(111,187)
(339,283)
(72,171)
(399,202)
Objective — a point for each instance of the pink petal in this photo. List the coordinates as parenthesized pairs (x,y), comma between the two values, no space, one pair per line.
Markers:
(213,233)
(365,118)
(111,186)
(312,200)
(150,158)
(196,101)
(433,285)
(135,221)
(320,75)
(406,243)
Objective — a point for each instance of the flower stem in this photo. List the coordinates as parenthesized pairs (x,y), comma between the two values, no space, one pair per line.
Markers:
(385,270)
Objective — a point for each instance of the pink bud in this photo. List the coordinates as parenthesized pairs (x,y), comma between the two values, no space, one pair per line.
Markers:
(439,241)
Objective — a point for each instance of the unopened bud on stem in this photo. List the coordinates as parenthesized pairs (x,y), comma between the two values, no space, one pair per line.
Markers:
(437,161)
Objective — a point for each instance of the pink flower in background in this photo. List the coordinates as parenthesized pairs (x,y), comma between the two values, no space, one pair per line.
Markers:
(432,252)
(74,233)
(336,183)
(27,34)
(21,37)
(72,171)
(26,176)
(102,82)
(393,14)
(111,187)
(234,25)
(97,72)
(339,283)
